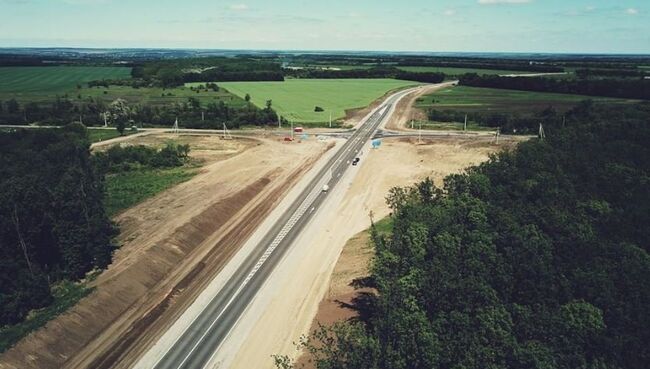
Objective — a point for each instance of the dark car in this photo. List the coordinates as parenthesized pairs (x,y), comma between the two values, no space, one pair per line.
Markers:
(355,161)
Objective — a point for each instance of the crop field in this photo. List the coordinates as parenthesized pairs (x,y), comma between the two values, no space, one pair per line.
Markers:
(44,84)
(27,81)
(469,99)
(296,99)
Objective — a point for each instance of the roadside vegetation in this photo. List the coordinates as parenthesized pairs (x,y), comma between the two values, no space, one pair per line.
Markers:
(535,259)
(135,173)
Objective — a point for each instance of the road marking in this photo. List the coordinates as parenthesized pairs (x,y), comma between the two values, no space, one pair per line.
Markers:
(370,125)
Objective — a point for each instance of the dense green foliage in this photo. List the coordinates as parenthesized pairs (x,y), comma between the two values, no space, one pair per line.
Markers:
(535,259)
(374,72)
(119,159)
(52,221)
(170,73)
(638,88)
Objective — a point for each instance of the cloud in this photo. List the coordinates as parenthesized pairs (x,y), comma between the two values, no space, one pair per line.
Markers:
(494,2)
(449,12)
(632,11)
(238,7)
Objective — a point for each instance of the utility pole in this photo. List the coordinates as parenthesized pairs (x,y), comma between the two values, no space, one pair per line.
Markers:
(541,134)
(105,121)
(411,123)
(291,130)
(465,125)
(226,133)
(279,121)
(420,133)
(330,119)
(175,127)
(498,133)
(81,119)
(202,116)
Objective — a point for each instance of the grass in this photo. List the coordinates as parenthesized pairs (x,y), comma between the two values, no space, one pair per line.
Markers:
(475,99)
(23,82)
(296,99)
(384,226)
(97,135)
(127,189)
(66,294)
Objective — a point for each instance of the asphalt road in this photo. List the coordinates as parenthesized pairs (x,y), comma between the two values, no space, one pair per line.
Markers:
(195,347)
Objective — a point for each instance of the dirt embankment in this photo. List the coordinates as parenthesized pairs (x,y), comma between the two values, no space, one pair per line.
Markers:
(172,246)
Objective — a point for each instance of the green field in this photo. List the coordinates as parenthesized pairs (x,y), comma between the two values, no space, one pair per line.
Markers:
(296,99)
(126,189)
(44,84)
(471,99)
(27,81)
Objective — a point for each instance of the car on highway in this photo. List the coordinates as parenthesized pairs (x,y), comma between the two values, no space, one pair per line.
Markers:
(355,161)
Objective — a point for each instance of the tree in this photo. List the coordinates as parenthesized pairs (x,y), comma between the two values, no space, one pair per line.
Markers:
(247,98)
(119,114)
(13,106)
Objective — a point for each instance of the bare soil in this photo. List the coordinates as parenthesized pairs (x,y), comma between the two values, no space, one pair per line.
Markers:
(172,245)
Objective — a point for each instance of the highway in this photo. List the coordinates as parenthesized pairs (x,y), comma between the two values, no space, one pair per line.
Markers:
(195,347)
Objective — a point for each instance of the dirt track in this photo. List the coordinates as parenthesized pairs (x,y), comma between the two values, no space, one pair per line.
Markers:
(173,244)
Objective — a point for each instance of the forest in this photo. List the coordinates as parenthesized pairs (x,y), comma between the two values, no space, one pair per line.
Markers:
(374,72)
(637,88)
(537,258)
(176,72)
(52,221)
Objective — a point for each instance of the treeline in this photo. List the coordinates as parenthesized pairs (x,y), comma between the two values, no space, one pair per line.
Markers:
(508,64)
(535,259)
(61,111)
(52,221)
(119,159)
(623,88)
(507,122)
(598,72)
(170,73)
(191,114)
(376,72)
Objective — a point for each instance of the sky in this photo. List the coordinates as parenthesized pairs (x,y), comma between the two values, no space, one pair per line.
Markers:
(564,26)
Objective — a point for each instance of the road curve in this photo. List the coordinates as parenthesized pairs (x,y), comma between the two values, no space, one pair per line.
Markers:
(195,347)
